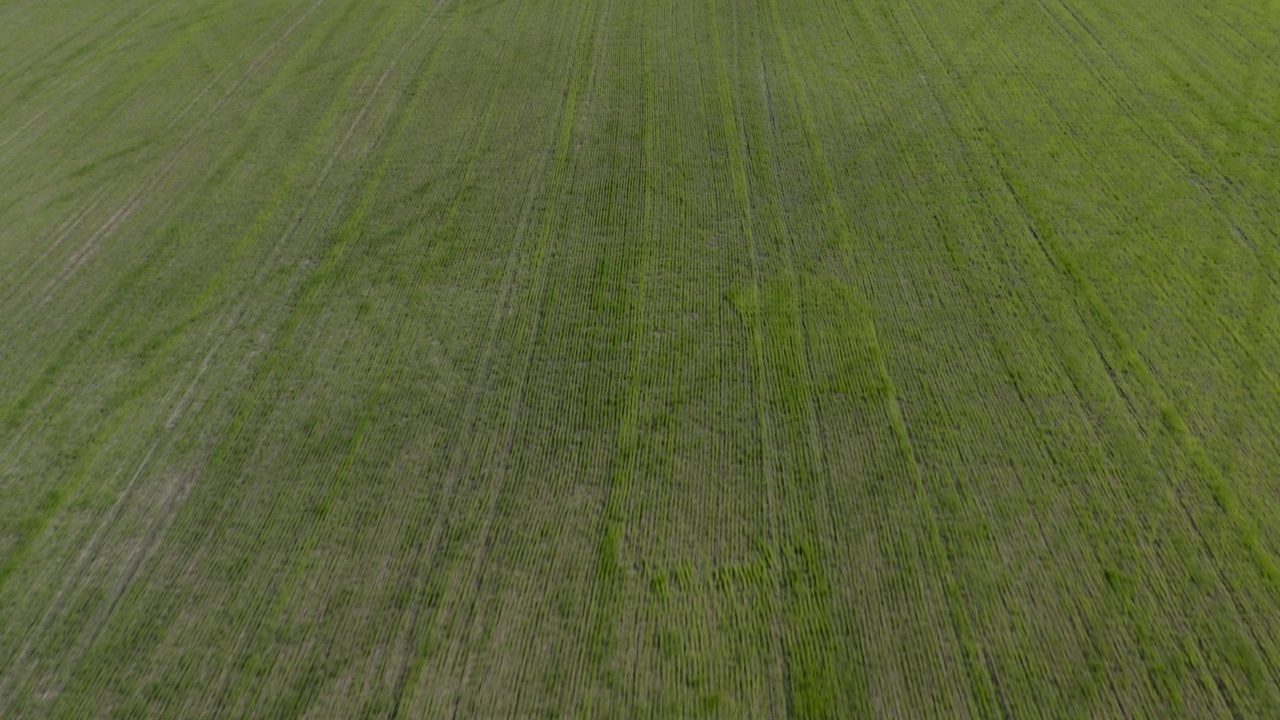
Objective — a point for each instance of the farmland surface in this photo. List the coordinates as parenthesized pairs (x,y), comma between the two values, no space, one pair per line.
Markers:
(640,358)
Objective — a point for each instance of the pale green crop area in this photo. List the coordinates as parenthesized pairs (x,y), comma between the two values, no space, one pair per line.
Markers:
(640,358)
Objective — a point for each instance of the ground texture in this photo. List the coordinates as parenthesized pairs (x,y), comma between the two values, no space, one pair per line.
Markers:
(640,358)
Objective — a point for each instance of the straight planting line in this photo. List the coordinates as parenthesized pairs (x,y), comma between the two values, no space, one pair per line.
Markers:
(981,682)
(649,233)
(610,533)
(404,690)
(598,647)
(750,310)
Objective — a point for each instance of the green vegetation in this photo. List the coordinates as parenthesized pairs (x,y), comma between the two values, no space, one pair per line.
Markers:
(609,358)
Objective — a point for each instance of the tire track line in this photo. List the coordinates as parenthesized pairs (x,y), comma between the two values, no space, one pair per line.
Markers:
(88,554)
(1054,254)
(464,453)
(332,257)
(56,496)
(1220,487)
(1132,360)
(68,227)
(367,414)
(123,212)
(93,71)
(161,174)
(321,178)
(1038,232)
(820,470)
(322,270)
(64,354)
(1260,249)
(76,262)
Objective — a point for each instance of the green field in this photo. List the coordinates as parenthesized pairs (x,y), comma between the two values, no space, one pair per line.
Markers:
(640,358)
